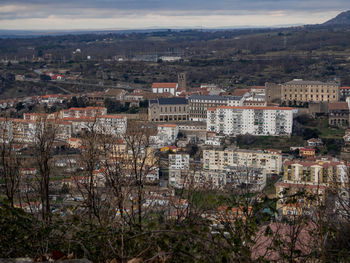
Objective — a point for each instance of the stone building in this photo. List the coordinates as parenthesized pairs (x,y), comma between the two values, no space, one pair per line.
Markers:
(299,92)
(338,114)
(272,93)
(182,80)
(168,109)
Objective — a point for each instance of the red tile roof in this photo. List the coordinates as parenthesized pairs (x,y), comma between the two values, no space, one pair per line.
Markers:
(252,108)
(338,106)
(240,92)
(167,125)
(112,117)
(164,85)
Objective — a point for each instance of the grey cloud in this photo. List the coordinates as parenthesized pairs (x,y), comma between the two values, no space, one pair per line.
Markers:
(233,5)
(107,9)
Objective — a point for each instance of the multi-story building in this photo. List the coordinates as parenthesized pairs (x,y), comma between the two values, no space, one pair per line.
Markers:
(344,92)
(252,179)
(112,124)
(270,160)
(24,130)
(168,109)
(179,165)
(198,104)
(338,114)
(35,116)
(179,161)
(229,120)
(312,178)
(88,112)
(6,130)
(169,132)
(63,124)
(319,172)
(299,91)
(255,103)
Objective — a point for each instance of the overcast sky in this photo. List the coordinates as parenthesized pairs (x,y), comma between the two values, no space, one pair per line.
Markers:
(138,14)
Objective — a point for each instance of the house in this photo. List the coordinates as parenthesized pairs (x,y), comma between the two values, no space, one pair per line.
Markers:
(57,77)
(165,88)
(74,143)
(314,142)
(241,92)
(51,99)
(28,172)
(307,152)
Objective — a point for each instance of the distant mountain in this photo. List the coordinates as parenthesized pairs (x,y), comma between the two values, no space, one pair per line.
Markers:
(341,19)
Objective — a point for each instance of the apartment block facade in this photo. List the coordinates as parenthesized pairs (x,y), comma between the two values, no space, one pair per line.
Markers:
(199,104)
(312,178)
(220,160)
(234,121)
(88,112)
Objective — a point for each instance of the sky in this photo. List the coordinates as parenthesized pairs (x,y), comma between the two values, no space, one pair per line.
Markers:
(145,14)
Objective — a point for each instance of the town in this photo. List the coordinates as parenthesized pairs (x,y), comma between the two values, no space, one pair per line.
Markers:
(194,139)
(176,145)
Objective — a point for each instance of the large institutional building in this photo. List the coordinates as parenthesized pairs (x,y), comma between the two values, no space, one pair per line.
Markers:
(199,104)
(299,91)
(231,120)
(168,109)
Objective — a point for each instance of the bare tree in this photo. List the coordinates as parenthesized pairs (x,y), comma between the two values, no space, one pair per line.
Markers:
(10,162)
(44,138)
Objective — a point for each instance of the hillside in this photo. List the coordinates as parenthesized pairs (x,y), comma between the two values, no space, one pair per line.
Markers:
(341,19)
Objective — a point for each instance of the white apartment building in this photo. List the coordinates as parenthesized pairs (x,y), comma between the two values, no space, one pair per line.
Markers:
(220,160)
(254,179)
(179,165)
(231,120)
(112,124)
(88,112)
(169,130)
(179,161)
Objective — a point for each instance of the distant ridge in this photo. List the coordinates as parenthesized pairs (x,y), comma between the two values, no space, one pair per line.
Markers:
(341,19)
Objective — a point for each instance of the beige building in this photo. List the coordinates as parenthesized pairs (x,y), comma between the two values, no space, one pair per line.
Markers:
(299,91)
(168,109)
(311,177)
(270,160)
